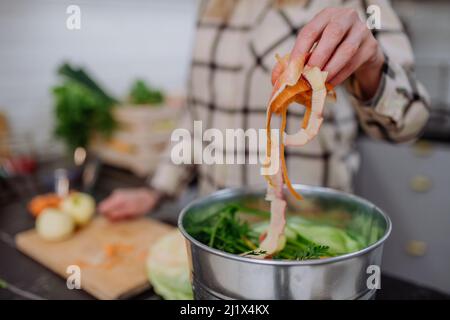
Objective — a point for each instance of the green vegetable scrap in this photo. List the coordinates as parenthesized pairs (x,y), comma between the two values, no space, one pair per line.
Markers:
(141,93)
(224,228)
(168,267)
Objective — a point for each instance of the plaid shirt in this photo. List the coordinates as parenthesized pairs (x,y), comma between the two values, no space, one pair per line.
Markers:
(229,87)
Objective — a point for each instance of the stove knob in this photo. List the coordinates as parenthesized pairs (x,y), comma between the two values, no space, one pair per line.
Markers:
(416,248)
(420,183)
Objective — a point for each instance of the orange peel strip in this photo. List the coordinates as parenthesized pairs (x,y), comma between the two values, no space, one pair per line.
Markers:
(283,160)
(291,83)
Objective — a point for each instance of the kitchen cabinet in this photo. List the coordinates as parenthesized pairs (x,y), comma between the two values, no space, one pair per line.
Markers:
(412,185)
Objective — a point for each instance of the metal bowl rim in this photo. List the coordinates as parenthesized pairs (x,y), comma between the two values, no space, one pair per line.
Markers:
(232,191)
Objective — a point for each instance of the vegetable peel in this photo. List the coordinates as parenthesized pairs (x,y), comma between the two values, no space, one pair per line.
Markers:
(292,82)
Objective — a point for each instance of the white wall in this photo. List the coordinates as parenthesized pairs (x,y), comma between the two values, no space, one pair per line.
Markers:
(118,41)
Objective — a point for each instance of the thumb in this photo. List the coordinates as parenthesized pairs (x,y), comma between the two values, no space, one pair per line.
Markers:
(279,67)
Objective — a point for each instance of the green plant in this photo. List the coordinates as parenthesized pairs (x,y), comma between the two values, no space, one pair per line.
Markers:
(141,93)
(81,108)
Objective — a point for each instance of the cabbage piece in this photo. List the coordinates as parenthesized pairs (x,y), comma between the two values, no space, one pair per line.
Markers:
(168,267)
(338,240)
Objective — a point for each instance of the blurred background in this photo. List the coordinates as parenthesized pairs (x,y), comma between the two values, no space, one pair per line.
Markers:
(138,53)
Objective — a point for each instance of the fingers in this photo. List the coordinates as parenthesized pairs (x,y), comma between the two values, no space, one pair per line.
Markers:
(128,203)
(276,72)
(311,32)
(119,214)
(116,205)
(332,36)
(121,210)
(279,67)
(347,49)
(367,52)
(342,46)
(339,35)
(111,202)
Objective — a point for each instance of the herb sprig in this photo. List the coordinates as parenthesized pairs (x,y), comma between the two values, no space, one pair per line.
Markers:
(141,93)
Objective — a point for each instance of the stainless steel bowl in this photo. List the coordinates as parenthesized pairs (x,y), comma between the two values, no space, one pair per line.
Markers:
(220,275)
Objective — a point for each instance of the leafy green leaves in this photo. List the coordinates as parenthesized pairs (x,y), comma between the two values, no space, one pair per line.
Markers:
(141,93)
(300,248)
(222,228)
(81,108)
(224,231)
(80,76)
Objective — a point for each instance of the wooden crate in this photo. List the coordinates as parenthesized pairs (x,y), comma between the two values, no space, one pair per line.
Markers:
(139,141)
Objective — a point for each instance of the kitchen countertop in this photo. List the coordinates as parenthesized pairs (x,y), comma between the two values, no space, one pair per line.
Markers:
(27,279)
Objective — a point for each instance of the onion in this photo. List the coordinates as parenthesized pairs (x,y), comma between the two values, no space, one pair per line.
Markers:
(54,225)
(80,206)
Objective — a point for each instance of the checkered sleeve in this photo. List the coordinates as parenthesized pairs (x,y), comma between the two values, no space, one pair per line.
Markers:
(171,178)
(399,109)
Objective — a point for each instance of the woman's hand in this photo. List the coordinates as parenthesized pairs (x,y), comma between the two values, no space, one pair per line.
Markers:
(345,46)
(129,203)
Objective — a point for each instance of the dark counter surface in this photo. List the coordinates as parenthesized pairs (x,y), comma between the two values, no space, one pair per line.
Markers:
(26,279)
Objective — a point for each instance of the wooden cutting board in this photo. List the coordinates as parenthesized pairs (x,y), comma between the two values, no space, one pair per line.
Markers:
(111,256)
